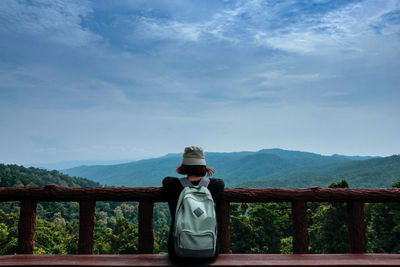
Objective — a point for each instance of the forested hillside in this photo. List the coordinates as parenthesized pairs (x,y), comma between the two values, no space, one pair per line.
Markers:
(14,175)
(235,168)
(378,172)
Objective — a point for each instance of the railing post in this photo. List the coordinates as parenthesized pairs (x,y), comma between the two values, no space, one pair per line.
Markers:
(26,226)
(224,220)
(357,226)
(146,231)
(87,220)
(301,236)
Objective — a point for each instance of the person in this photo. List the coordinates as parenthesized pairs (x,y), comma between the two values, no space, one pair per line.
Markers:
(194,167)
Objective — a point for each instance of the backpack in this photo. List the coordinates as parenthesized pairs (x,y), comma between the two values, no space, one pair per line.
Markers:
(195,233)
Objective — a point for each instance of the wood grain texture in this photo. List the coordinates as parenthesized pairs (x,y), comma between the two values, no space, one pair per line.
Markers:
(26,226)
(301,236)
(87,220)
(312,194)
(357,226)
(154,194)
(58,193)
(224,220)
(146,231)
(223,260)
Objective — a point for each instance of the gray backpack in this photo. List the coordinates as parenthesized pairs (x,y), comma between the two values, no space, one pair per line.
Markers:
(195,233)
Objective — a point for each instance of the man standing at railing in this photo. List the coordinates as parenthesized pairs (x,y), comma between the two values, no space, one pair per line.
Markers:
(194,196)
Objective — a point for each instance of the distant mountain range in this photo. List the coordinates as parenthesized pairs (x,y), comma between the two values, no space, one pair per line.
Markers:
(377,172)
(264,168)
(67,164)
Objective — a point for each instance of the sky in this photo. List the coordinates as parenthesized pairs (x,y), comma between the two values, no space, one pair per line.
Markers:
(125,80)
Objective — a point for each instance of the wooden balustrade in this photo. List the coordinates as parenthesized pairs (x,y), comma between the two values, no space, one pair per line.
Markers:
(26,226)
(146,231)
(87,197)
(87,220)
(301,237)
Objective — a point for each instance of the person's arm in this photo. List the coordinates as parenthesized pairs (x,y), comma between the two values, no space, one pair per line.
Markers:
(167,183)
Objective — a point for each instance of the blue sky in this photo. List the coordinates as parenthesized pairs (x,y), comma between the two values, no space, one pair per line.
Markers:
(102,80)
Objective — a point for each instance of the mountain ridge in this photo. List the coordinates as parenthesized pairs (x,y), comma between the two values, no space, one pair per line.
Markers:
(234,167)
(375,172)
(12,175)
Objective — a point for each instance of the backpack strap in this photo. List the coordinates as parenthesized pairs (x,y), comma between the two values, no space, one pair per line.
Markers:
(186,183)
(204,182)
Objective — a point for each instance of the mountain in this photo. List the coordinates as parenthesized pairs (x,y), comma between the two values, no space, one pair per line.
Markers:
(354,157)
(310,159)
(139,173)
(376,172)
(234,167)
(67,164)
(265,168)
(14,176)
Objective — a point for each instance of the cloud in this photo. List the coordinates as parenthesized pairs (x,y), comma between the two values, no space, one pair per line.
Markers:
(217,27)
(314,35)
(86,79)
(55,20)
(388,23)
(172,29)
(306,28)
(272,78)
(346,29)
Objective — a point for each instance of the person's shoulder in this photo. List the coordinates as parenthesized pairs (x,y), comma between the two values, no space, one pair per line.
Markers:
(170,180)
(217,182)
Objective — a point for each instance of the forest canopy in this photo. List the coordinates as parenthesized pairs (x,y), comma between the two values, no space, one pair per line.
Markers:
(266,227)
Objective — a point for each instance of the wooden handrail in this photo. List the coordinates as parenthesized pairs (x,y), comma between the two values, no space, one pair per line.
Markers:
(154,194)
(87,197)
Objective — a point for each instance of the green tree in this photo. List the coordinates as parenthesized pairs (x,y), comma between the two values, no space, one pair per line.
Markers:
(328,229)
(161,242)
(102,239)
(51,238)
(271,223)
(242,234)
(259,228)
(3,233)
(384,226)
(125,238)
(8,232)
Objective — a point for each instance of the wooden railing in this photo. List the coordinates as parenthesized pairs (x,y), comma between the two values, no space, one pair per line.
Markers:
(87,197)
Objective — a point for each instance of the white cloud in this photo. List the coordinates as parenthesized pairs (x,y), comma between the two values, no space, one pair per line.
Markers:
(56,20)
(171,29)
(218,26)
(280,77)
(341,30)
(259,23)
(140,94)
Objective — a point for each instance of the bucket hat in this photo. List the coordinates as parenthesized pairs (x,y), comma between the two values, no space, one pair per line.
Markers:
(193,155)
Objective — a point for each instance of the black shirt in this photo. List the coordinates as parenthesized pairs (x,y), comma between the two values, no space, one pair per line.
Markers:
(172,188)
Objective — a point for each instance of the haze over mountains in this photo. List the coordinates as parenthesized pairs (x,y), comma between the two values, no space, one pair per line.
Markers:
(264,168)
(67,164)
